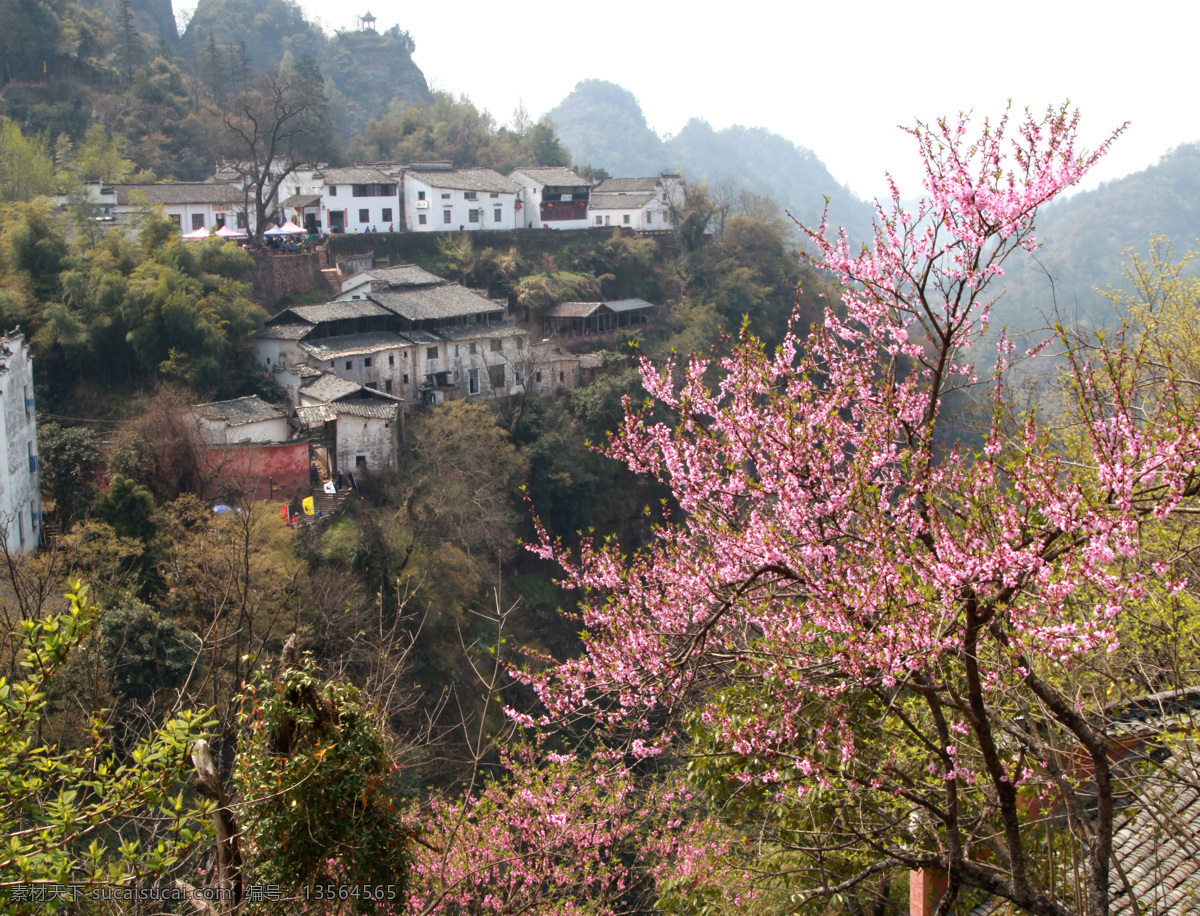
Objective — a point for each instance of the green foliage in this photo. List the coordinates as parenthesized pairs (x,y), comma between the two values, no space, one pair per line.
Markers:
(127,508)
(79,816)
(146,653)
(317,769)
(26,168)
(69,460)
(453,128)
(540,291)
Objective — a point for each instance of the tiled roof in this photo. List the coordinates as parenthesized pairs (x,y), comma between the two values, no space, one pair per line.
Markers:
(478,331)
(372,409)
(434,303)
(404,275)
(282,331)
(629,305)
(335,311)
(626,185)
(359,174)
(354,344)
(556,177)
(240,411)
(300,201)
(572,310)
(329,388)
(315,415)
(619,201)
(181,192)
(423,337)
(467,180)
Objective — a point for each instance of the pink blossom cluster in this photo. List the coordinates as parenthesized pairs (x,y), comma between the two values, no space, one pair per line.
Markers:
(831,544)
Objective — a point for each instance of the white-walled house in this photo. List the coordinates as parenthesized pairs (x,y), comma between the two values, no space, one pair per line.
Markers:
(359,199)
(552,198)
(190,205)
(449,200)
(248,419)
(642,204)
(20,493)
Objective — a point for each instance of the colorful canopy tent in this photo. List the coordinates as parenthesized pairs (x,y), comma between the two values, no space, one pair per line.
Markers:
(196,235)
(288,228)
(229,232)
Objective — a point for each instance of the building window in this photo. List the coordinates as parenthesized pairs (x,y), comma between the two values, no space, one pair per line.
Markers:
(496,215)
(387,385)
(387,214)
(420,195)
(367,362)
(445,216)
(649,218)
(364,216)
(606,220)
(391,359)
(625,219)
(599,220)
(472,216)
(445,195)
(333,190)
(494,194)
(537,377)
(174,217)
(560,376)
(33,516)
(431,353)
(496,376)
(197,220)
(473,381)
(404,378)
(421,219)
(495,344)
(472,349)
(241,221)
(32,458)
(520,343)
(349,364)
(28,401)
(360,462)
(470,195)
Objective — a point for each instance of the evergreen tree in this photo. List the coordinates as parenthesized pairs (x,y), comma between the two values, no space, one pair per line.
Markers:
(130,41)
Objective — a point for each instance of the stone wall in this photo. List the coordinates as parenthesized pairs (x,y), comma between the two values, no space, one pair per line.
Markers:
(281,275)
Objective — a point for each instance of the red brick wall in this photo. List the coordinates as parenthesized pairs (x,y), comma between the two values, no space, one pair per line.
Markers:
(252,470)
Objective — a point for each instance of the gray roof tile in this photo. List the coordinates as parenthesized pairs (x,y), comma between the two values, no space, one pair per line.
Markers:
(355,344)
(629,305)
(335,311)
(627,185)
(239,411)
(329,388)
(468,180)
(434,303)
(619,201)
(282,331)
(555,176)
(181,192)
(358,174)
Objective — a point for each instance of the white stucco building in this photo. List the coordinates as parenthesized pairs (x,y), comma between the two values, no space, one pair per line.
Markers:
(552,198)
(248,419)
(363,198)
(642,204)
(20,492)
(190,205)
(450,200)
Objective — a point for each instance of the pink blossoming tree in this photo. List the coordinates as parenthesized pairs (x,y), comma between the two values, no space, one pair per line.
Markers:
(888,638)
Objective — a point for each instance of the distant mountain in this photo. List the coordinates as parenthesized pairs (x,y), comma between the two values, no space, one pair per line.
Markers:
(365,72)
(603,125)
(1083,237)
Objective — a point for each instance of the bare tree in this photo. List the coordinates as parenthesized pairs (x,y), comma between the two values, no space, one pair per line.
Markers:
(273,127)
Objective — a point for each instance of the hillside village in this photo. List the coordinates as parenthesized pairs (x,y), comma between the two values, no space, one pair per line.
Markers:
(391,338)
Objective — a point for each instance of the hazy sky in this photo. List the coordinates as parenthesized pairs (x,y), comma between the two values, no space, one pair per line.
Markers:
(834,77)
